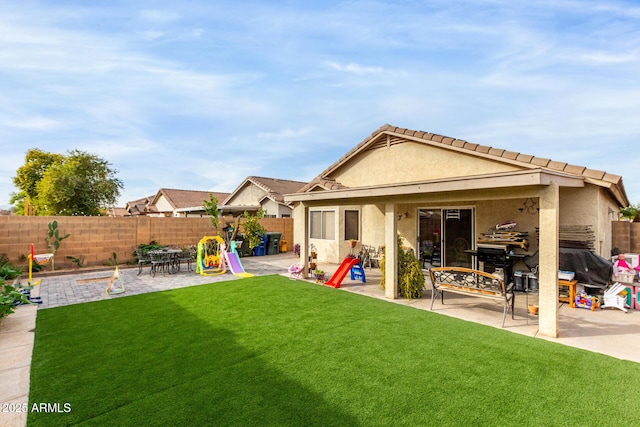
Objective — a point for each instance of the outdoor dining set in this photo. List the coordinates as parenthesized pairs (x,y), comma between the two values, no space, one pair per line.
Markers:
(166,260)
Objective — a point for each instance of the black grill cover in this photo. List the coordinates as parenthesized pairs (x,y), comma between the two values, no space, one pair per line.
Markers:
(590,269)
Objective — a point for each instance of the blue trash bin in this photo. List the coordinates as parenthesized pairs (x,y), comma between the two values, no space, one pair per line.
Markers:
(261,249)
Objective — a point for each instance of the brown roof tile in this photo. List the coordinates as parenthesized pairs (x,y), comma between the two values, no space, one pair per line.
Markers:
(277,188)
(189,198)
(511,155)
(525,158)
(540,161)
(559,166)
(496,151)
(573,169)
(593,173)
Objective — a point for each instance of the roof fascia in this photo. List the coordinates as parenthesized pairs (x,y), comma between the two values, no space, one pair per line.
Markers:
(474,182)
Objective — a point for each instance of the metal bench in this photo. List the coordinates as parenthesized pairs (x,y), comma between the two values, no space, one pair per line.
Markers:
(466,281)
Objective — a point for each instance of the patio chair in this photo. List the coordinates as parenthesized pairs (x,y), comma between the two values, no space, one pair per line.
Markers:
(160,261)
(143,259)
(613,299)
(187,255)
(375,256)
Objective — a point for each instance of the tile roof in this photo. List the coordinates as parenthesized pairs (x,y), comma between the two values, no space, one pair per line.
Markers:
(274,187)
(187,198)
(138,207)
(524,160)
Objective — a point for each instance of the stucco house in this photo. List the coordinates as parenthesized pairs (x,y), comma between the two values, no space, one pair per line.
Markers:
(438,191)
(181,203)
(139,206)
(257,192)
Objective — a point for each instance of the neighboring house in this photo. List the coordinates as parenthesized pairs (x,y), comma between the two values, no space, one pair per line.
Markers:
(138,207)
(116,211)
(181,203)
(257,192)
(436,190)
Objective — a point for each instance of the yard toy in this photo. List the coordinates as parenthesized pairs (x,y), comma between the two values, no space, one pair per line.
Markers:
(41,259)
(342,271)
(295,271)
(233,261)
(210,260)
(116,276)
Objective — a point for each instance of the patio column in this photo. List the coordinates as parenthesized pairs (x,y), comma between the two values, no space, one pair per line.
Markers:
(548,267)
(391,254)
(301,214)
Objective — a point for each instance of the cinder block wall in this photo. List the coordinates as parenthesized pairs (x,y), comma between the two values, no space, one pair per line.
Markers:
(621,236)
(96,238)
(626,236)
(635,237)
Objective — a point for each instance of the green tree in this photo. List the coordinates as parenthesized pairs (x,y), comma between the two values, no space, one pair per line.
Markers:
(17,201)
(211,208)
(631,212)
(252,229)
(28,175)
(77,183)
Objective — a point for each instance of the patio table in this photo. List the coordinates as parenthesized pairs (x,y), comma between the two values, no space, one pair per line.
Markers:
(164,259)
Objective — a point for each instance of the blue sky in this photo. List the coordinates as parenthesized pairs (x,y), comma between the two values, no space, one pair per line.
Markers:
(201,94)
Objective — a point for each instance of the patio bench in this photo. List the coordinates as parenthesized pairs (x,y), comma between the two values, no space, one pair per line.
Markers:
(466,281)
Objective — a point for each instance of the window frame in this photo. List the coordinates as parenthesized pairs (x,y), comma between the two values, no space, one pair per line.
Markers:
(323,229)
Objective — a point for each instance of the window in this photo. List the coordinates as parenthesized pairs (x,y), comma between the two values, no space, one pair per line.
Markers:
(322,225)
(351,225)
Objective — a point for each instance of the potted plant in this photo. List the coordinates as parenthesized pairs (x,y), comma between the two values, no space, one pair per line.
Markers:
(319,275)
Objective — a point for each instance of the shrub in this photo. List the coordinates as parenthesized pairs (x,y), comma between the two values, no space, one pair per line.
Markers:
(9,298)
(410,276)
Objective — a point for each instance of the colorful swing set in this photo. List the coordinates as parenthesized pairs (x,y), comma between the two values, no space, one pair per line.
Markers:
(210,260)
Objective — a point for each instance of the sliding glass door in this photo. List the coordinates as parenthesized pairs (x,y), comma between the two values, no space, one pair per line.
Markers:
(445,236)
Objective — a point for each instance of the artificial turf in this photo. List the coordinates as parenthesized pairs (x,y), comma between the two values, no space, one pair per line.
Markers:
(271,351)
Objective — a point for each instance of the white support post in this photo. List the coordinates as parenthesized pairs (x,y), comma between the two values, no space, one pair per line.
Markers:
(303,220)
(549,259)
(391,254)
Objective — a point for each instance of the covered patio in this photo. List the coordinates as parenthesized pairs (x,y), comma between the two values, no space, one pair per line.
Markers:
(395,174)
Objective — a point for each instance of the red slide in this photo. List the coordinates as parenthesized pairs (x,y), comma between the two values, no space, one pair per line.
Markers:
(344,268)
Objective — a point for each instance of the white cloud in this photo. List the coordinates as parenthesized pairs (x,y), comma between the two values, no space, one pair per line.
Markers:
(354,68)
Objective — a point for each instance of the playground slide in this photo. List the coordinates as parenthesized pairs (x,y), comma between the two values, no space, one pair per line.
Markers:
(342,271)
(234,265)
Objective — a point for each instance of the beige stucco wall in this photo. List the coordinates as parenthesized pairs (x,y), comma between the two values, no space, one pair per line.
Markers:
(410,162)
(274,208)
(248,195)
(270,207)
(163,206)
(590,206)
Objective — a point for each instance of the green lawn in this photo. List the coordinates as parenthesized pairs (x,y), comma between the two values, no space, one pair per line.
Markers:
(271,351)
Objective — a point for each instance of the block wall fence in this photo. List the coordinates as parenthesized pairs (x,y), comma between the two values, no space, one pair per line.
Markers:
(626,236)
(96,238)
